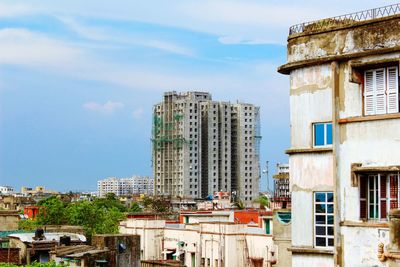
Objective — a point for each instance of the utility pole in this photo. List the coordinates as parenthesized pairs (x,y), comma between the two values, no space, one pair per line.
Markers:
(266,172)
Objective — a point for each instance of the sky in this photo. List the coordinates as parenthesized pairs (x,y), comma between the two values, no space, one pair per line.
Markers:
(78,79)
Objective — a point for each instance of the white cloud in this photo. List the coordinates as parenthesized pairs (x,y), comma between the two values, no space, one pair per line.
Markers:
(138,113)
(21,46)
(96,33)
(12,10)
(107,108)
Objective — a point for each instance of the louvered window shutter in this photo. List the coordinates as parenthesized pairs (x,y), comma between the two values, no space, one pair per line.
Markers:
(369,93)
(363,197)
(394,191)
(392,90)
(380,91)
(383,197)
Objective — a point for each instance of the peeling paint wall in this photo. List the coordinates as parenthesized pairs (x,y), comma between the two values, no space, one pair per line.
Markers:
(310,101)
(360,245)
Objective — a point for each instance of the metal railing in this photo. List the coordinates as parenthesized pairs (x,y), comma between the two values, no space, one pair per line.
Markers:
(347,19)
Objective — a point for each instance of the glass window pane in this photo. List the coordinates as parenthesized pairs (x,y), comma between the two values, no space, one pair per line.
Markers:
(330,219)
(319,134)
(330,208)
(320,241)
(320,230)
(320,219)
(330,242)
(330,230)
(330,197)
(371,196)
(320,208)
(320,197)
(329,134)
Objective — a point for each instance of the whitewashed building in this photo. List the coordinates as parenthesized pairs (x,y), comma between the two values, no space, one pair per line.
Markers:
(345,137)
(6,190)
(212,244)
(126,186)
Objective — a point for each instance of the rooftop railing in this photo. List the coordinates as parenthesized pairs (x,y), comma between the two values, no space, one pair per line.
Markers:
(344,20)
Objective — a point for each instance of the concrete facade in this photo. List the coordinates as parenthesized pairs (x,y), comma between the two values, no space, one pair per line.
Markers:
(205,244)
(332,70)
(201,146)
(9,220)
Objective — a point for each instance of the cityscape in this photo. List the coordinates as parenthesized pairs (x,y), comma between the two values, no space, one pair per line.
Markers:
(199,134)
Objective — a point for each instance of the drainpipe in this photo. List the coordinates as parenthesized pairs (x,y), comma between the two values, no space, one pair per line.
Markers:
(335,71)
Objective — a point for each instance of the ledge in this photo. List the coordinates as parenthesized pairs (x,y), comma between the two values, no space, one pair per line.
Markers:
(370,118)
(288,67)
(310,250)
(368,224)
(308,150)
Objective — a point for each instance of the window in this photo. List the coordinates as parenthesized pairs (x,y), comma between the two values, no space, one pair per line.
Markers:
(322,134)
(323,219)
(381,91)
(379,193)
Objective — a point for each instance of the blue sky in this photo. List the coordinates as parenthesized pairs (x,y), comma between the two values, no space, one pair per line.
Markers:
(78,78)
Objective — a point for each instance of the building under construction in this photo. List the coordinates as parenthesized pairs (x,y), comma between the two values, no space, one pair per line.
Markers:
(201,146)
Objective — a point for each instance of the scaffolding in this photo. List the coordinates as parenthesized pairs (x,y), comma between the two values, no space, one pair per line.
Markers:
(166,132)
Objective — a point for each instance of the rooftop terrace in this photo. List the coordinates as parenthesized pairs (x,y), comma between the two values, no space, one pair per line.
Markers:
(345,20)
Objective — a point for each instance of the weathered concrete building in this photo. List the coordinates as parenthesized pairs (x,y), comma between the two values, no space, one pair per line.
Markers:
(345,136)
(212,244)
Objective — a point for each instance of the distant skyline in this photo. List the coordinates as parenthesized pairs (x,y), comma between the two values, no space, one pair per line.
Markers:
(78,79)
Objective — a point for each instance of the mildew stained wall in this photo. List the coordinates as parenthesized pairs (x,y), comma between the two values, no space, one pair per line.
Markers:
(358,37)
(310,101)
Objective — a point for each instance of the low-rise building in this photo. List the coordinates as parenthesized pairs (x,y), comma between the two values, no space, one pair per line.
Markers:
(37,246)
(38,190)
(202,244)
(9,220)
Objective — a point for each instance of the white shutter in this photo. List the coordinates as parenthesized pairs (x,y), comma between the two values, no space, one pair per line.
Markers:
(380,91)
(369,93)
(392,90)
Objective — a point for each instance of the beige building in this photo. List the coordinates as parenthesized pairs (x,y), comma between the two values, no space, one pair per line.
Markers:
(345,128)
(201,146)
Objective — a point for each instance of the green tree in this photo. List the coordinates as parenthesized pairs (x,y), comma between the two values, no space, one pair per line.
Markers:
(135,207)
(28,225)
(263,201)
(239,204)
(53,211)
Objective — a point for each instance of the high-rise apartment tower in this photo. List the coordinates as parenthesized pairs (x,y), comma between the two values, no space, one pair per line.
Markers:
(202,146)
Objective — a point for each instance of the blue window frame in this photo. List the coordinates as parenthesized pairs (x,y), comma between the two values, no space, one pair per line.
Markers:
(322,134)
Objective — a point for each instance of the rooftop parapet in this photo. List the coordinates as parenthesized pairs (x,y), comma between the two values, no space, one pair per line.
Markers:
(343,38)
(344,20)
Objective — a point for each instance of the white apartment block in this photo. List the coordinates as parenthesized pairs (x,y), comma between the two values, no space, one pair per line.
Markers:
(6,190)
(125,186)
(201,146)
(345,139)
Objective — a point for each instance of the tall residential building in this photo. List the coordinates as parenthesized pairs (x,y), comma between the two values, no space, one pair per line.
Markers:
(201,146)
(125,186)
(345,138)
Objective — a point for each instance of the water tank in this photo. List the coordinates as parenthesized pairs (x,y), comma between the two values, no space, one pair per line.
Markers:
(65,240)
